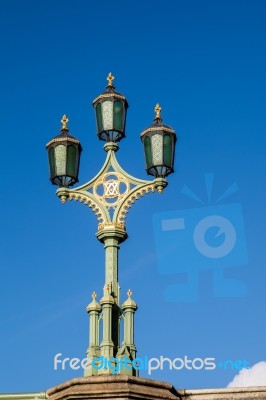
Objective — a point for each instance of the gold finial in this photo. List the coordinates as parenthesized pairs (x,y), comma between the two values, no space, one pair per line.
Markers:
(108,287)
(157,110)
(63,199)
(129,293)
(110,79)
(94,295)
(64,121)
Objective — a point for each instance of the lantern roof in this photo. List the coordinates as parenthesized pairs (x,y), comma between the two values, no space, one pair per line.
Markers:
(64,135)
(158,124)
(110,91)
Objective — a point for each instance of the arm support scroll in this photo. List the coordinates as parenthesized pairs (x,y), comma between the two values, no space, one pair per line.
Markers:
(144,188)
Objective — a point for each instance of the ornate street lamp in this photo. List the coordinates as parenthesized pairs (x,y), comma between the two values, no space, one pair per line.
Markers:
(64,155)
(111,108)
(110,194)
(159,147)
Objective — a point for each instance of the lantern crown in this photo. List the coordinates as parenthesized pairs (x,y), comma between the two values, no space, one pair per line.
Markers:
(110,108)
(158,123)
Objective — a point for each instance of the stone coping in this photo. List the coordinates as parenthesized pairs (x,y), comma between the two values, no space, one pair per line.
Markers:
(113,387)
(163,389)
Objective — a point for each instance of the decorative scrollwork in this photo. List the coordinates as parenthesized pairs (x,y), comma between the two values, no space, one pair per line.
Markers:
(90,203)
(112,188)
(131,200)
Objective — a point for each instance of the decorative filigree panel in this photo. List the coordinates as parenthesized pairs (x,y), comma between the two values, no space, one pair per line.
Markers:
(157,145)
(107,111)
(111,188)
(60,156)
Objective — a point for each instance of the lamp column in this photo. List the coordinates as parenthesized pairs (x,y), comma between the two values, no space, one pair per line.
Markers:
(111,237)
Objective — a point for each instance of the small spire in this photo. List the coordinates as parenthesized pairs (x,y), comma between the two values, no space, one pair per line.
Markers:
(110,79)
(64,121)
(157,110)
(129,303)
(93,306)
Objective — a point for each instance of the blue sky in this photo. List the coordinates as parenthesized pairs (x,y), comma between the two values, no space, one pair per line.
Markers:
(205,63)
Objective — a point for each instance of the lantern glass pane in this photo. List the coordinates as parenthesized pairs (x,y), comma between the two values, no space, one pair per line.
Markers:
(107,113)
(167,150)
(147,149)
(99,117)
(118,116)
(71,161)
(51,161)
(60,159)
(157,149)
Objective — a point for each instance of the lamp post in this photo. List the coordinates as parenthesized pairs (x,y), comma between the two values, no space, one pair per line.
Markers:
(110,194)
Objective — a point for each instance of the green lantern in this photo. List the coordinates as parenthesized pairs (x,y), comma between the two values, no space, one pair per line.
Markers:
(159,147)
(64,156)
(110,109)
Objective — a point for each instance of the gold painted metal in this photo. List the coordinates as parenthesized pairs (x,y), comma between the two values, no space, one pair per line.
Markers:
(64,121)
(157,110)
(129,302)
(110,79)
(62,139)
(106,95)
(155,128)
(63,199)
(107,225)
(111,189)
(108,287)
(87,201)
(131,200)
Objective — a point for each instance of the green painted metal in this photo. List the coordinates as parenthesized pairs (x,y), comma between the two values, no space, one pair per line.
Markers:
(111,232)
(93,350)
